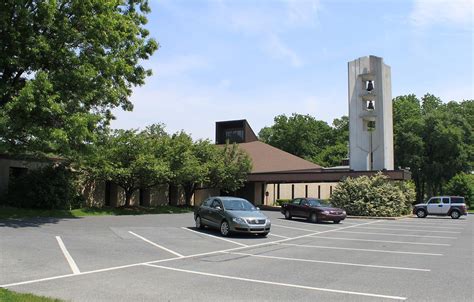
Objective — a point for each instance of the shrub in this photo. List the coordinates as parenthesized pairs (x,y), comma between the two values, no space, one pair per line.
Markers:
(280,202)
(462,184)
(51,187)
(373,196)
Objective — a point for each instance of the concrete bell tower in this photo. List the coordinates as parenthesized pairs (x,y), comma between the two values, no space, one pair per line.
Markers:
(370,115)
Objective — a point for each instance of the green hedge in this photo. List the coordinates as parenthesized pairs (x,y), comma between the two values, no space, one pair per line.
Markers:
(50,187)
(374,196)
(280,202)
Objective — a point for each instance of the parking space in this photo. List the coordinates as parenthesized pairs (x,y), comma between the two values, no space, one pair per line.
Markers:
(164,258)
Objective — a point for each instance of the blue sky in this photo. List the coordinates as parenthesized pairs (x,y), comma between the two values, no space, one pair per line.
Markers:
(247,59)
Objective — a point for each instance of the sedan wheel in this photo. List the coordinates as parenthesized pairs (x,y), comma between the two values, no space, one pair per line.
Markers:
(313,218)
(225,229)
(199,224)
(287,214)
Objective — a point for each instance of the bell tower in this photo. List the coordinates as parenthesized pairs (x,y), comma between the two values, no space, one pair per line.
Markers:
(370,115)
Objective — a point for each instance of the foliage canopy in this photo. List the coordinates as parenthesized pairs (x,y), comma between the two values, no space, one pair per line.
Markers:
(64,65)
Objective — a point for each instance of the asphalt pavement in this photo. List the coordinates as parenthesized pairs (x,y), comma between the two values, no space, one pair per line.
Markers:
(164,258)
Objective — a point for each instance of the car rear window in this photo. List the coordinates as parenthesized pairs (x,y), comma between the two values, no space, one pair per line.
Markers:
(457,199)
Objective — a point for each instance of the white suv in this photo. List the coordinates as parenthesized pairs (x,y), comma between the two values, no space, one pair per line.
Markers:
(453,206)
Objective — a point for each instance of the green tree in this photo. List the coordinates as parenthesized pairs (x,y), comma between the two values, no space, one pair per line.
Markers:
(190,164)
(133,160)
(65,64)
(434,140)
(309,138)
(462,184)
(229,168)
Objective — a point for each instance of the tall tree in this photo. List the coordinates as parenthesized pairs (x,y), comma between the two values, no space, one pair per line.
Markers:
(132,160)
(309,138)
(64,65)
(301,135)
(433,139)
(229,168)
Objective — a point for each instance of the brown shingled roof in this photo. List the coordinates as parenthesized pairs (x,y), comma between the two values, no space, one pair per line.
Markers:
(266,158)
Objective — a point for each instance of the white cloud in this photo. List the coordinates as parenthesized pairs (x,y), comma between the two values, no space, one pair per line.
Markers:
(452,12)
(180,65)
(277,49)
(266,21)
(303,12)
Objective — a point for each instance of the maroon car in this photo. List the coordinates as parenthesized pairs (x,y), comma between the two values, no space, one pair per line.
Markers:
(312,209)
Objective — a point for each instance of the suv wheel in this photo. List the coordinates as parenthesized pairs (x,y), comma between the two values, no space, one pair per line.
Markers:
(225,229)
(421,213)
(455,214)
(287,214)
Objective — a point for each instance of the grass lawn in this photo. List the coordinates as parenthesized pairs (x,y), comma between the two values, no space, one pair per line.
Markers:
(471,211)
(10,212)
(9,296)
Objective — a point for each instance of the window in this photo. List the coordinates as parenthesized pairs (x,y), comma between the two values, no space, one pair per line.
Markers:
(434,201)
(304,202)
(295,201)
(207,202)
(216,203)
(314,203)
(446,200)
(234,135)
(457,199)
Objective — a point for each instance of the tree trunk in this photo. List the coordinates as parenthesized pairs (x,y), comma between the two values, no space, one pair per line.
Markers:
(173,195)
(188,192)
(128,198)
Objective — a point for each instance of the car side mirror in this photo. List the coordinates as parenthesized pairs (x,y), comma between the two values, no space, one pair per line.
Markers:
(218,208)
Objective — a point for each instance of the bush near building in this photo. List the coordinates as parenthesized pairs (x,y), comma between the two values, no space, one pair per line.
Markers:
(50,187)
(374,196)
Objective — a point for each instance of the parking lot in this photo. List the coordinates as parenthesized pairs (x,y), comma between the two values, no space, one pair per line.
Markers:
(164,258)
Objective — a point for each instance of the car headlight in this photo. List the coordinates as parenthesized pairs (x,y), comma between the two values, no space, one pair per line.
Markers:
(238,220)
(344,212)
(325,212)
(268,221)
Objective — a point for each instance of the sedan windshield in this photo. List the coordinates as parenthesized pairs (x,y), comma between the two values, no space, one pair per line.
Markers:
(238,205)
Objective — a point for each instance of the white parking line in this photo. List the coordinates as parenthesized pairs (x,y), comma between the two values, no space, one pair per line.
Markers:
(431,222)
(409,230)
(361,250)
(303,222)
(419,225)
(253,281)
(157,245)
(220,238)
(399,235)
(171,259)
(299,229)
(72,263)
(383,241)
(331,262)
